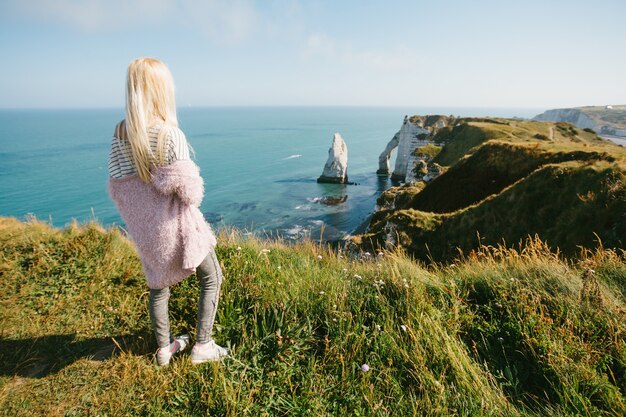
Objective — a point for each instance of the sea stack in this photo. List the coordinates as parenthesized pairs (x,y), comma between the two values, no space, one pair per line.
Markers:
(336,168)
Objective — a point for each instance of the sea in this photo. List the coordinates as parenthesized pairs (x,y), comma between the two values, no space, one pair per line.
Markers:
(259,164)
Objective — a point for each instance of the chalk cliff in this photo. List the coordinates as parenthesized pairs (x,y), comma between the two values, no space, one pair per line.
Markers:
(415,132)
(336,168)
(605,120)
(573,116)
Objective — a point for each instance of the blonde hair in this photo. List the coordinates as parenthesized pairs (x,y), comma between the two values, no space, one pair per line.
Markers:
(149,101)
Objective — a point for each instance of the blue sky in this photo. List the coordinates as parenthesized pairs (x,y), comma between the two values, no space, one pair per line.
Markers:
(542,54)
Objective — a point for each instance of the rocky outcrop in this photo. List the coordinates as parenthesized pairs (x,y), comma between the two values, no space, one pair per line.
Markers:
(423,169)
(415,132)
(385,156)
(336,168)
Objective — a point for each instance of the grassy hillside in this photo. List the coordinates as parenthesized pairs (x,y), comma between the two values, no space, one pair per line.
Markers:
(500,332)
(508,179)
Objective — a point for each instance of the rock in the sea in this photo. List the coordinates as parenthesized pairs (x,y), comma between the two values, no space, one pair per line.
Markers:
(336,168)
(333,201)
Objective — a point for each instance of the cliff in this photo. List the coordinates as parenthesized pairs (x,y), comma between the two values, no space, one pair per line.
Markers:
(504,180)
(415,132)
(606,120)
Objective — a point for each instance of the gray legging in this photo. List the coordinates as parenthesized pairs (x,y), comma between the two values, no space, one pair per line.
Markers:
(210,278)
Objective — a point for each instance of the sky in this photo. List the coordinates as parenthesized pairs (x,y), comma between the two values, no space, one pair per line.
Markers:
(536,54)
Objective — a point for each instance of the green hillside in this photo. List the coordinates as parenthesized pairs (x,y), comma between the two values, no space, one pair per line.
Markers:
(499,333)
(508,179)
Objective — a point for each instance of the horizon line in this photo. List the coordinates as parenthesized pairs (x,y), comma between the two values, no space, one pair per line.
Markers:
(182,107)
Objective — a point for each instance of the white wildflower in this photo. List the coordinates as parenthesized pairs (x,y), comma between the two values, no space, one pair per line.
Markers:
(378,327)
(403,327)
(319,257)
(357,276)
(365,367)
(321,292)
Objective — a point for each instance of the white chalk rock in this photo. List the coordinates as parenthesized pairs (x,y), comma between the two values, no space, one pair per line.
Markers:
(406,141)
(573,116)
(336,168)
(385,156)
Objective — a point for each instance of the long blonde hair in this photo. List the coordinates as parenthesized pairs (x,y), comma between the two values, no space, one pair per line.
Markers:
(149,101)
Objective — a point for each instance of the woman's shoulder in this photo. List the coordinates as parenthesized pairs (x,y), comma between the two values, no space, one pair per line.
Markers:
(177,145)
(174,133)
(120,129)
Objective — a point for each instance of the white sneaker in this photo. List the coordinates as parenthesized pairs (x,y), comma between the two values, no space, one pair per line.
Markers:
(207,352)
(179,344)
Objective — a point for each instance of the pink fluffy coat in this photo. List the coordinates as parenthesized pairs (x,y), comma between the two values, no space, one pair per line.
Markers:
(163,220)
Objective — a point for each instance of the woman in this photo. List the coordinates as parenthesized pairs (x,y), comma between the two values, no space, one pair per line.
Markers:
(157,190)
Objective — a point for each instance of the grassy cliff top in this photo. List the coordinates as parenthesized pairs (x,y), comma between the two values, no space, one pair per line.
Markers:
(500,332)
(462,138)
(507,179)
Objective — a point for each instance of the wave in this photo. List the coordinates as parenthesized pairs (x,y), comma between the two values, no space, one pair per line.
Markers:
(292,157)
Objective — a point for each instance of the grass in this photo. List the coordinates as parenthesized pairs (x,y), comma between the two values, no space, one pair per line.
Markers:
(499,332)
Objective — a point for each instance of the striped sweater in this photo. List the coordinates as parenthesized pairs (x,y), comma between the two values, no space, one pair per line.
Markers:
(121,163)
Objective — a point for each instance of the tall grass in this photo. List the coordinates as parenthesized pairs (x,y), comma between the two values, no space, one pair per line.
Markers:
(499,332)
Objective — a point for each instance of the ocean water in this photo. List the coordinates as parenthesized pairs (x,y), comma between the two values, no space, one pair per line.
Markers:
(260,164)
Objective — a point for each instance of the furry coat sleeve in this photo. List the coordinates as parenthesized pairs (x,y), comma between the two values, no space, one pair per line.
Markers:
(163,220)
(181,178)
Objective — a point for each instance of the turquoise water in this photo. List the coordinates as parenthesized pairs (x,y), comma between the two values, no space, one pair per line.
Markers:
(260,164)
